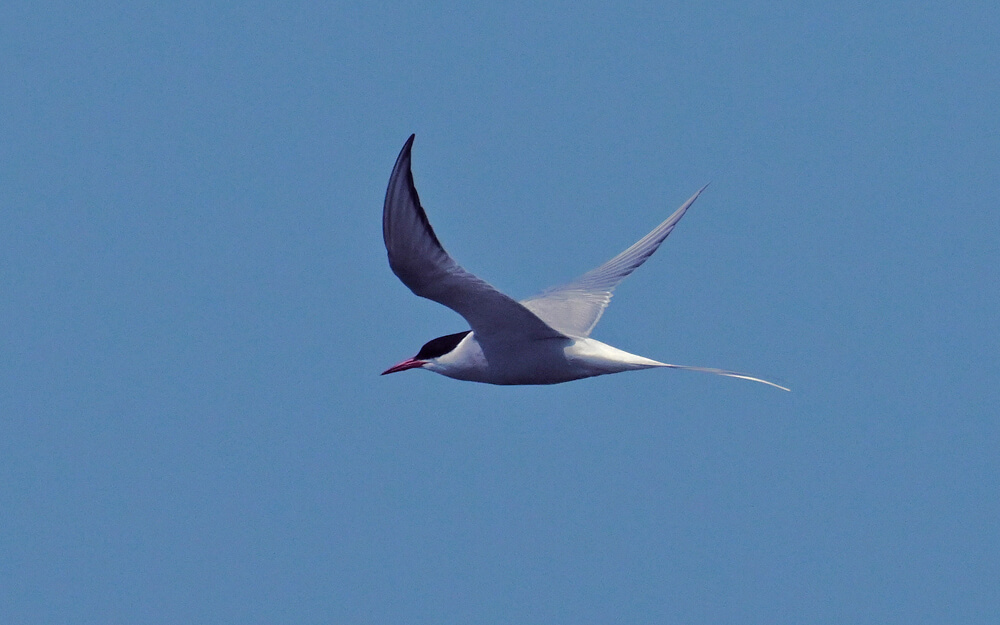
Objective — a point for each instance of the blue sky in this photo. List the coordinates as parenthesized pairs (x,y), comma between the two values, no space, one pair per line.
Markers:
(196,305)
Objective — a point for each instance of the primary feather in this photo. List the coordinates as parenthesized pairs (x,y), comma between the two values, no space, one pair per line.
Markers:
(575,308)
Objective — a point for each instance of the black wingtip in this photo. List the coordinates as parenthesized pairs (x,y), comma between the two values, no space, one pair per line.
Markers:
(401,173)
(404,153)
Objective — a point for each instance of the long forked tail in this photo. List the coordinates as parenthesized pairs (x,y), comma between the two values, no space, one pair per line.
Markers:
(730,374)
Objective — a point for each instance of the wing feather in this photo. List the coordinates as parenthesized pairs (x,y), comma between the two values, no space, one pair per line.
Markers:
(421,263)
(575,308)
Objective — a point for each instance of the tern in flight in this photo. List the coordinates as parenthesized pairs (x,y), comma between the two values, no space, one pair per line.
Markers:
(541,340)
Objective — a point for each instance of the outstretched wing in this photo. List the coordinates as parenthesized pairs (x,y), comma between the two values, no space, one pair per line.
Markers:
(421,263)
(575,308)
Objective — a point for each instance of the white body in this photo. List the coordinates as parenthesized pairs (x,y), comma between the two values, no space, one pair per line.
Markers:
(545,361)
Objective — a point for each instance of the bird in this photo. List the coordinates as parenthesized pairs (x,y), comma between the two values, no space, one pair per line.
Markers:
(544,339)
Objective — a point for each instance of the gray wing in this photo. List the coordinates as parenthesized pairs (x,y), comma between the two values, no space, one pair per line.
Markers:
(421,263)
(575,308)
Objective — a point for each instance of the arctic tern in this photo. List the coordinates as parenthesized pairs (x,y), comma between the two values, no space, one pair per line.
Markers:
(541,340)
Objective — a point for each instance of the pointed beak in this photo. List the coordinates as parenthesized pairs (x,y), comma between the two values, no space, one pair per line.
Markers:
(411,363)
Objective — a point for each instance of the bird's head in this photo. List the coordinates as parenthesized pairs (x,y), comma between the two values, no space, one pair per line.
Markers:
(430,352)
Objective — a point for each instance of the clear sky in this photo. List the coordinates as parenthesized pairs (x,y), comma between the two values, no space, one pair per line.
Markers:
(196,305)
